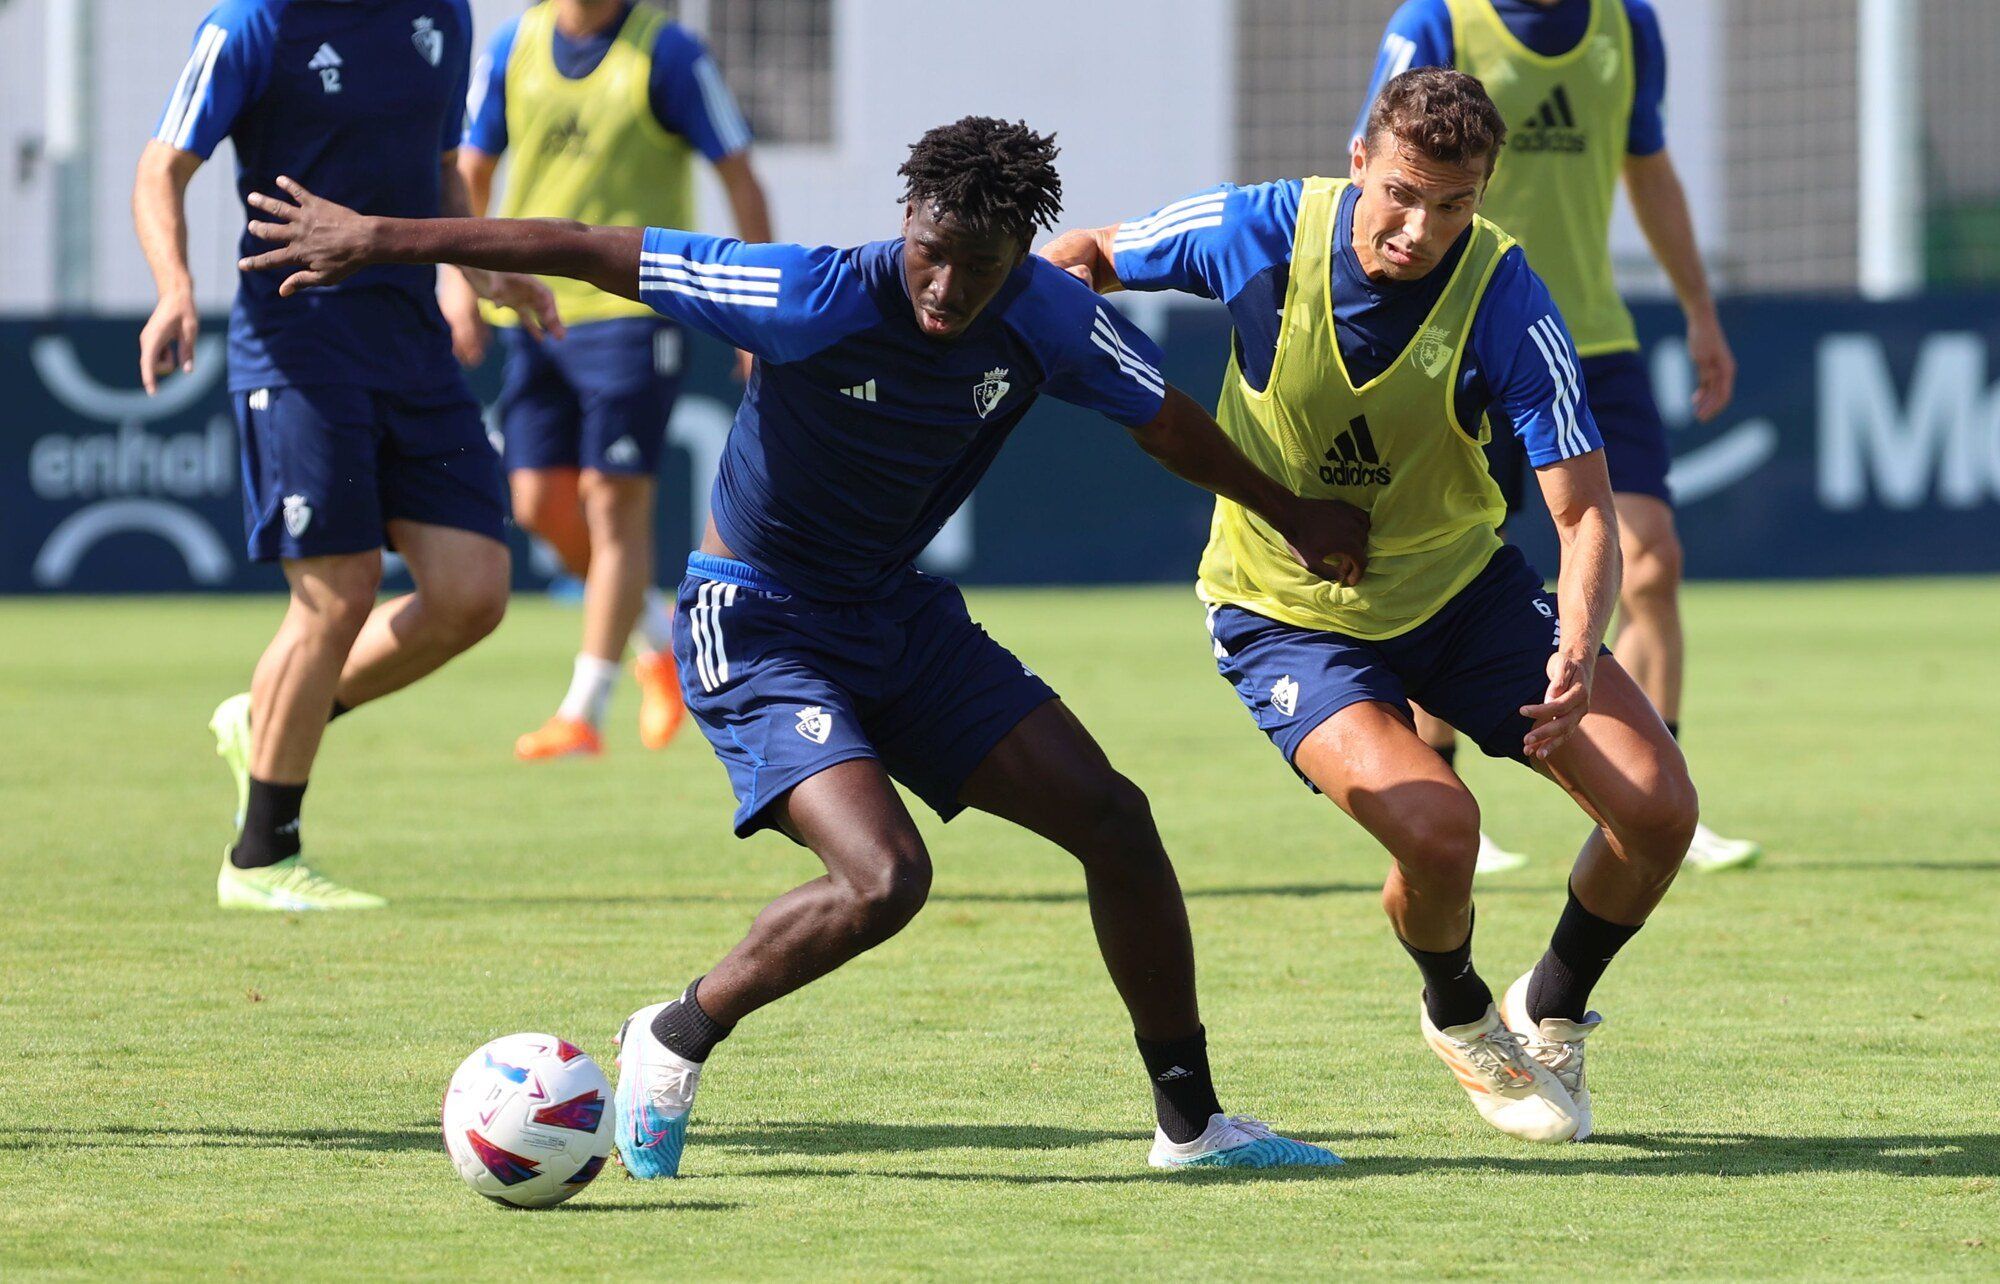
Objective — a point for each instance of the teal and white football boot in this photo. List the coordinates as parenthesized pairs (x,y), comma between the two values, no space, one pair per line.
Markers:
(231,724)
(655,1095)
(1238,1141)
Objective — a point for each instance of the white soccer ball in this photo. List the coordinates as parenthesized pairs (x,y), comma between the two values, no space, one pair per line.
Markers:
(528,1119)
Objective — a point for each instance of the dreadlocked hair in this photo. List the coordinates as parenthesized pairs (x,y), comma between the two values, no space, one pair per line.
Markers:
(987,173)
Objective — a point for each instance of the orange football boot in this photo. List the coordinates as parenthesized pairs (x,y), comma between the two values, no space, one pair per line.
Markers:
(660,707)
(559,737)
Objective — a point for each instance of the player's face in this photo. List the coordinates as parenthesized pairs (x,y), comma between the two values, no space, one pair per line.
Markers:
(951,271)
(1411,209)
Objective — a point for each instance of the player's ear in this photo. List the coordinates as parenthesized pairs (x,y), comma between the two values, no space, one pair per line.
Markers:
(909,212)
(1357,157)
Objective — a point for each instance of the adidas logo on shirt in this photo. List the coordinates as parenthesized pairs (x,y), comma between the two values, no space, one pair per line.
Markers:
(1352,460)
(327,63)
(860,391)
(1550,128)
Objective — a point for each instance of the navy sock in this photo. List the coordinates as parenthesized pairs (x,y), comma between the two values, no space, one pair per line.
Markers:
(1581,947)
(687,1029)
(270,825)
(1449,753)
(338,709)
(1454,993)
(1183,1092)
(1674,729)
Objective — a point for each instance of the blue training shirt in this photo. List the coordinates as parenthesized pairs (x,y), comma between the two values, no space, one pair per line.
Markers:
(359,100)
(859,435)
(688,94)
(1235,244)
(1419,35)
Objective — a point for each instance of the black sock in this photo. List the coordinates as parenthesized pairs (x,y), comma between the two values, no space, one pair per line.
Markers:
(1454,994)
(1449,753)
(338,709)
(1674,729)
(688,1030)
(1581,947)
(270,825)
(1183,1092)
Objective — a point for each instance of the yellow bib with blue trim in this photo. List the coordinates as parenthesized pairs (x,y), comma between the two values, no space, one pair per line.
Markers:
(591,148)
(1392,447)
(1567,119)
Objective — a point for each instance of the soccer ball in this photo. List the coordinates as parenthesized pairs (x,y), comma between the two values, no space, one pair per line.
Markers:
(527,1120)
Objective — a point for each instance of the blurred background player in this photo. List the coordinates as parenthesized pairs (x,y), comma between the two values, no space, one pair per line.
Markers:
(603,103)
(1581,85)
(358,431)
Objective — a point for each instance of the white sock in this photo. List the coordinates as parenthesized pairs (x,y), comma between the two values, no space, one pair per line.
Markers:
(656,621)
(590,688)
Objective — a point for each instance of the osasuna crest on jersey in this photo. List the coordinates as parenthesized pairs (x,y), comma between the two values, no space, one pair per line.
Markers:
(428,40)
(298,515)
(1285,696)
(815,724)
(1432,350)
(990,390)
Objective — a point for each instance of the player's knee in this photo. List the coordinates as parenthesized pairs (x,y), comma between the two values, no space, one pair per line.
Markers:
(888,894)
(471,607)
(1653,569)
(1117,825)
(1658,825)
(1440,842)
(344,600)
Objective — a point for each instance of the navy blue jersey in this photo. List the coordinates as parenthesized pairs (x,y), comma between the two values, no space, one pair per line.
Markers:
(1235,244)
(1419,35)
(687,92)
(359,100)
(859,435)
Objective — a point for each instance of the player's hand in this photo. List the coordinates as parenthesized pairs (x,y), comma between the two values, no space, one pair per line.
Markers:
(1076,254)
(745,362)
(1329,537)
(325,243)
(167,342)
(531,299)
(1714,368)
(1563,707)
(470,334)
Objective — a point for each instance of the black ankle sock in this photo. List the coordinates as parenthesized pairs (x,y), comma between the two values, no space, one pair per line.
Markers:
(270,825)
(1449,753)
(338,709)
(1454,994)
(1674,730)
(1581,947)
(1183,1092)
(688,1030)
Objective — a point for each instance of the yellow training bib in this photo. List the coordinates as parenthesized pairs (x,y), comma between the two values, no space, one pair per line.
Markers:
(591,149)
(1393,447)
(1567,118)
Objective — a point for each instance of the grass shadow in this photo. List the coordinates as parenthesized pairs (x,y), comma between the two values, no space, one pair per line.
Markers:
(1064,897)
(177,1137)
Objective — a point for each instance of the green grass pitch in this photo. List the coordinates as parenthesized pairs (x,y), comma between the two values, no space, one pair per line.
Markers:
(1797,1076)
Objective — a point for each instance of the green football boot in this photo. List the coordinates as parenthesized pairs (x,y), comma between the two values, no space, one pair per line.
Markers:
(231,724)
(290,886)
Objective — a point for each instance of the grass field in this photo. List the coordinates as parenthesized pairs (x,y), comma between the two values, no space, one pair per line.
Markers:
(1796,1078)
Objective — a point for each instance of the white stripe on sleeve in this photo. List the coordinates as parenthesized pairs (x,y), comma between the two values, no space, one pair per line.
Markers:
(192,90)
(731,130)
(1568,438)
(1106,338)
(1194,220)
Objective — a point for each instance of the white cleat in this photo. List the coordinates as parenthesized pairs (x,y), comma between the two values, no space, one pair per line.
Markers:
(1511,1090)
(1557,1043)
(1710,851)
(1238,1141)
(655,1095)
(1495,859)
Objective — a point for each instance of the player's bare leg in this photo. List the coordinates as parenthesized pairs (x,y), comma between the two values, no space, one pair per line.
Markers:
(291,698)
(547,505)
(1443,740)
(1652,646)
(461,594)
(1373,765)
(1627,774)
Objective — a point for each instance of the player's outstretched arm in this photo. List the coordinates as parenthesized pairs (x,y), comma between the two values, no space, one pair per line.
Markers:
(319,243)
(1085,253)
(1578,493)
(1329,537)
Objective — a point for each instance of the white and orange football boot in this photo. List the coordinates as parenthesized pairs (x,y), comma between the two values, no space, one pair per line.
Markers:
(1511,1090)
(1557,1043)
(559,737)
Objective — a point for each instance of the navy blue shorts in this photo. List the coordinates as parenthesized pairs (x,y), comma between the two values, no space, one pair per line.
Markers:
(1620,393)
(785,687)
(598,399)
(326,467)
(1473,664)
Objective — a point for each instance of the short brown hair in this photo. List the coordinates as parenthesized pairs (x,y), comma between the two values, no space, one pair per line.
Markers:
(1442,113)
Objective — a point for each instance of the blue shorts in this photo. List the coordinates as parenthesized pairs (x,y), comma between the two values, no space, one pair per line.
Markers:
(1620,394)
(1473,664)
(326,467)
(785,687)
(597,399)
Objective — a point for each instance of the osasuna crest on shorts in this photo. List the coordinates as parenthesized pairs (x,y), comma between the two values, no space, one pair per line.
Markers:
(298,515)
(815,724)
(428,40)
